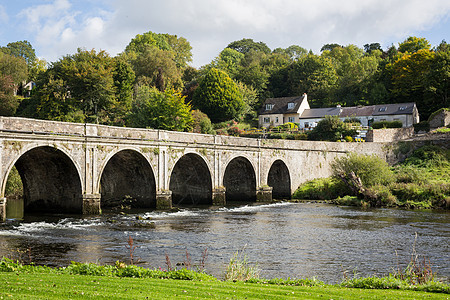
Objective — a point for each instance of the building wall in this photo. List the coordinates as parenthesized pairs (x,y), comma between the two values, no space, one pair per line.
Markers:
(389,134)
(273,120)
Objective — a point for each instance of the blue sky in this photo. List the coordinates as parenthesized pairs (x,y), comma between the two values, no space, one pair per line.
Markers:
(58,27)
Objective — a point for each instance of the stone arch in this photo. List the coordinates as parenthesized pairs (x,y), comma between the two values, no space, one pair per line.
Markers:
(51,180)
(239,180)
(128,178)
(280,180)
(190,181)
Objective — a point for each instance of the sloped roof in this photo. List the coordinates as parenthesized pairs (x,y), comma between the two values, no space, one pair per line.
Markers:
(281,105)
(357,111)
(320,112)
(394,109)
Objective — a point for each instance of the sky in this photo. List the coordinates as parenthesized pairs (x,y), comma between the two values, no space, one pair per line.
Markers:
(56,28)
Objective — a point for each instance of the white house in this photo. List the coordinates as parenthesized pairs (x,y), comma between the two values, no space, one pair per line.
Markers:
(277,111)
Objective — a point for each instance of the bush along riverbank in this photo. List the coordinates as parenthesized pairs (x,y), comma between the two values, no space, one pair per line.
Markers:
(421,181)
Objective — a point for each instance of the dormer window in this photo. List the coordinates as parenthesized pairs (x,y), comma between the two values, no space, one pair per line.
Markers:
(269,106)
(291,105)
(402,108)
(382,108)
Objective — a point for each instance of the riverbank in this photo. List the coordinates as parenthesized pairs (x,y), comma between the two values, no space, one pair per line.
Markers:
(419,182)
(36,282)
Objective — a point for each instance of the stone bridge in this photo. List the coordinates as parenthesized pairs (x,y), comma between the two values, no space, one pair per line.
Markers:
(80,168)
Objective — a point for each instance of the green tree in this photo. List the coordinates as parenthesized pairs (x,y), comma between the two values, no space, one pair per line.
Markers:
(8,102)
(246,45)
(160,110)
(329,47)
(218,96)
(82,82)
(413,44)
(331,128)
(21,49)
(179,46)
(312,74)
(15,67)
(157,68)
(368,48)
(124,78)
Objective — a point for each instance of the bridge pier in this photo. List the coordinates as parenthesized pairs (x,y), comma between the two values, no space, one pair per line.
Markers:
(91,204)
(164,200)
(2,209)
(264,194)
(218,196)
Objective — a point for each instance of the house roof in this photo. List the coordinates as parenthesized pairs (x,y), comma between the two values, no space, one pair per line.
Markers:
(280,105)
(394,109)
(357,111)
(320,112)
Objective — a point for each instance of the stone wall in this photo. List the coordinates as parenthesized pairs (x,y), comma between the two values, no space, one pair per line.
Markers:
(442,119)
(389,134)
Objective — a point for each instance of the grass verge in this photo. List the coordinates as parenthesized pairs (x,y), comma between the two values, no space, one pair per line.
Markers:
(66,286)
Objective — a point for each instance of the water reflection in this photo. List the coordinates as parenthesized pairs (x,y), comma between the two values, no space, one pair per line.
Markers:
(286,240)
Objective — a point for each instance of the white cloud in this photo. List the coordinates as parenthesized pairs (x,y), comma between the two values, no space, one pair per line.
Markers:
(3,15)
(209,25)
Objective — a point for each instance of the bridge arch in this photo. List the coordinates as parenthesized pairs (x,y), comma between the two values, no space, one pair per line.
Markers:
(239,180)
(51,180)
(280,180)
(191,181)
(127,178)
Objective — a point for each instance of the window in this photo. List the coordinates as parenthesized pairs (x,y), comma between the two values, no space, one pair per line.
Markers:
(291,105)
(266,120)
(269,106)
(382,108)
(402,107)
(291,119)
(276,120)
(306,124)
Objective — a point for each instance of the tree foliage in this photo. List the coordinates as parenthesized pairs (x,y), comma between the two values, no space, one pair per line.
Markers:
(160,110)
(331,128)
(218,96)
(246,45)
(371,169)
(413,44)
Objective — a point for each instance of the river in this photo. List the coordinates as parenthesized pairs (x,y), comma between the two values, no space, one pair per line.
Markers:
(295,240)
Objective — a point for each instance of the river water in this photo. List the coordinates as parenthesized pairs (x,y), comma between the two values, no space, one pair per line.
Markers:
(293,240)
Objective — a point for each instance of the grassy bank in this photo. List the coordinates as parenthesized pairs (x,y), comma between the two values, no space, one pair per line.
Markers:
(122,281)
(421,181)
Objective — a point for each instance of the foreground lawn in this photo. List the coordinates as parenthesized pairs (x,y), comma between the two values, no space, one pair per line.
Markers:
(63,286)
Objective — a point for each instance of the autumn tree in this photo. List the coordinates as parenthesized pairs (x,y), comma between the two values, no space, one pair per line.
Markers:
(413,44)
(218,96)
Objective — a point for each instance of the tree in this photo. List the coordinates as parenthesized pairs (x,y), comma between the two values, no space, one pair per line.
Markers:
(414,44)
(8,102)
(123,77)
(13,66)
(331,128)
(81,84)
(329,47)
(218,96)
(294,52)
(157,68)
(179,46)
(368,48)
(160,110)
(21,49)
(246,45)
(312,74)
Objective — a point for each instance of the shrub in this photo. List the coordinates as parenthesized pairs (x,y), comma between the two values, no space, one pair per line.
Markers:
(387,124)
(381,195)
(422,126)
(321,189)
(331,128)
(370,169)
(429,156)
(14,186)
(348,139)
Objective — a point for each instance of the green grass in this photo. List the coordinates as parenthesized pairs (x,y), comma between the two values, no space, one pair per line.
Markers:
(65,286)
